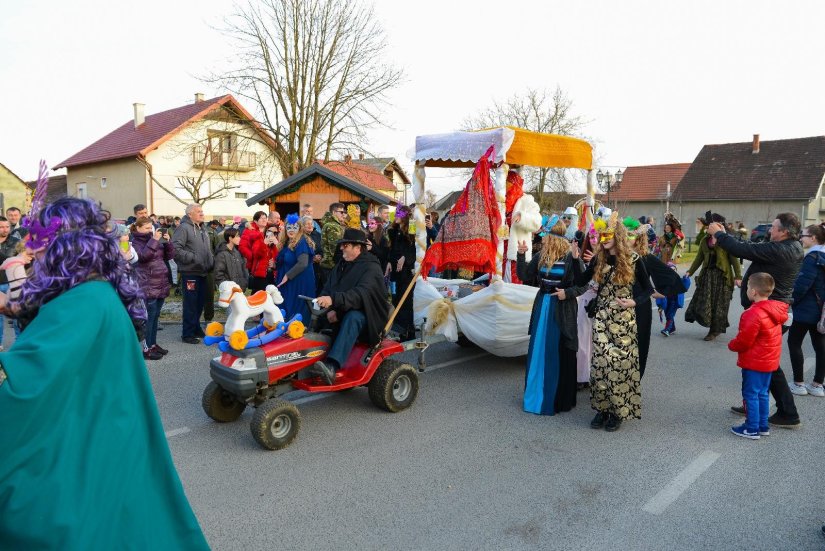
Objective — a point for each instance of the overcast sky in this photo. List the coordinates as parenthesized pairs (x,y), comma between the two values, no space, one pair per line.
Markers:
(658,79)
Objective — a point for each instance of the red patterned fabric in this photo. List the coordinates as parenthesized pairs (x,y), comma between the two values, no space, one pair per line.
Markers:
(515,191)
(468,236)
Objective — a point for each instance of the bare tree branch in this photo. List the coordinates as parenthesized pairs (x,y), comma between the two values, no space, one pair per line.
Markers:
(313,71)
(540,111)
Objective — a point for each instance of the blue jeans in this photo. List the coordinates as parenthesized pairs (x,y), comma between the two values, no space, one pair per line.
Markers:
(348,331)
(193,288)
(153,307)
(671,307)
(755,386)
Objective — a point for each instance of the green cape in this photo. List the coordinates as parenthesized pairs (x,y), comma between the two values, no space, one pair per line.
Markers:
(84,462)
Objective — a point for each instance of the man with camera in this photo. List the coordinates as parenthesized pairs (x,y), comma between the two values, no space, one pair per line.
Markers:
(781,257)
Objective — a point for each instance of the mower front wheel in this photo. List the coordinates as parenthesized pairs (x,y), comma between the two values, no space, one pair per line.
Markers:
(220,405)
(275,424)
(394,386)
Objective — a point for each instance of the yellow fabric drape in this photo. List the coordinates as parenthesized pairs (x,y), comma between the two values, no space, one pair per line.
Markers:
(548,150)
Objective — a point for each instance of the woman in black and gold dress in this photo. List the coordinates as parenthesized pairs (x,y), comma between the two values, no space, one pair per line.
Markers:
(615,381)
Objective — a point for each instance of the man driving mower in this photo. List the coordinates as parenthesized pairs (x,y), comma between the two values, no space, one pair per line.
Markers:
(357,297)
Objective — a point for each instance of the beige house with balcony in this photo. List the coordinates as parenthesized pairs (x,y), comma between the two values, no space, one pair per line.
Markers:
(210,151)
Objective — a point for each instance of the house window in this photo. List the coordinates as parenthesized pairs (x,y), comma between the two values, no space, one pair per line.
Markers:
(81,190)
(103,183)
(221,151)
(239,195)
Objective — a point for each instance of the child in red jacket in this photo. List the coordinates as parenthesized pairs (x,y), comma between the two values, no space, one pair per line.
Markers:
(759,344)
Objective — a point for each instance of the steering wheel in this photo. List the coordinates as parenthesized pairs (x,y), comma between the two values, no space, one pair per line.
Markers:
(314,311)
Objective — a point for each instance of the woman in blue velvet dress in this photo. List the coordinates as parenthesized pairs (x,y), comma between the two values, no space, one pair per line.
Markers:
(294,267)
(550,381)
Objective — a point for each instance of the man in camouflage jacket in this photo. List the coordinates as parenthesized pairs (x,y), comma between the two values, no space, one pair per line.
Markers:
(332,229)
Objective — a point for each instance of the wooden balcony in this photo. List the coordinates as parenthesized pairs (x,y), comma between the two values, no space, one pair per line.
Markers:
(237,161)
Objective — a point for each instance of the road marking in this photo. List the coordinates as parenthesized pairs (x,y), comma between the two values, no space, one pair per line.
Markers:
(176,432)
(456,361)
(670,493)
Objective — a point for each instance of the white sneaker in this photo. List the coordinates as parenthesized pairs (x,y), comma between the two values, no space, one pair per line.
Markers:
(799,390)
(816,391)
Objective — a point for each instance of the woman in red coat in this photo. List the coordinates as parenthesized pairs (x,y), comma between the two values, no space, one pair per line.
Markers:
(259,249)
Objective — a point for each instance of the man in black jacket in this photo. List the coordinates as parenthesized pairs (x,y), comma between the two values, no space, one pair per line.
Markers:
(781,257)
(357,296)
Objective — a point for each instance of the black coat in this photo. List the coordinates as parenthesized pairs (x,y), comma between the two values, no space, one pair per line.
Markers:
(7,251)
(230,266)
(781,259)
(401,245)
(381,250)
(359,285)
(568,309)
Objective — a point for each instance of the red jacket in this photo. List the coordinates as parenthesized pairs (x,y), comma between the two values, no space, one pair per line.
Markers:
(256,252)
(759,342)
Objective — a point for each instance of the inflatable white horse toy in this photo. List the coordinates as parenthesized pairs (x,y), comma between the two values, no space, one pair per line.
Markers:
(242,307)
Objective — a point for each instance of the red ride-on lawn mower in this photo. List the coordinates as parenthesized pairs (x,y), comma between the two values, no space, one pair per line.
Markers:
(258,376)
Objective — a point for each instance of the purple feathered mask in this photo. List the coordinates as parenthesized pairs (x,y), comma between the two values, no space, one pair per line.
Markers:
(39,235)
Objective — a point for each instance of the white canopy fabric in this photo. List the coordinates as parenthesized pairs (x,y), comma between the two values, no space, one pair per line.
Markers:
(466,147)
(495,318)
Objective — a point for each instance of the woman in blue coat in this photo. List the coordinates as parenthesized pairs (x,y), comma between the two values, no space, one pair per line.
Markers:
(808,294)
(295,263)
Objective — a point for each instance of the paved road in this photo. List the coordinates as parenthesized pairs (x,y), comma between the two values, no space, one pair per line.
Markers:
(465,468)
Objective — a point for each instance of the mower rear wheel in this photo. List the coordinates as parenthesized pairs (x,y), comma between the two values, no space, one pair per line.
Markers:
(394,386)
(221,405)
(275,424)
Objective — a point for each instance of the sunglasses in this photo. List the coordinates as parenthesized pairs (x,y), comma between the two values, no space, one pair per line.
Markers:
(566,217)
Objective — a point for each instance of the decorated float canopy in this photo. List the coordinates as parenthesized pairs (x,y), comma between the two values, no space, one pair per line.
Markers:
(513,146)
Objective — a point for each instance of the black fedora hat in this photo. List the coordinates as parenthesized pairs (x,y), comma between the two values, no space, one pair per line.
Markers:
(352,235)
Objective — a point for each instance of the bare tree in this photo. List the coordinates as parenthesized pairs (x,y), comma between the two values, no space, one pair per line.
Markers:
(430,199)
(314,72)
(539,111)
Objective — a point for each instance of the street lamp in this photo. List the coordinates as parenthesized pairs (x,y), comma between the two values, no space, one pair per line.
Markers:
(607,180)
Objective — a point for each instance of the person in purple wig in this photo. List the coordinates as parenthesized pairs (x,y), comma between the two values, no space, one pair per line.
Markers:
(74,243)
(77,410)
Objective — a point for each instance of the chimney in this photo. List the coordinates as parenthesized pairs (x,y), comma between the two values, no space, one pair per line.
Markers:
(139,118)
(348,159)
(755,144)
(360,156)
(198,97)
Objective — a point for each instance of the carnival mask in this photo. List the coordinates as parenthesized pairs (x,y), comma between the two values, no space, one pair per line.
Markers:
(40,236)
(606,236)
(293,223)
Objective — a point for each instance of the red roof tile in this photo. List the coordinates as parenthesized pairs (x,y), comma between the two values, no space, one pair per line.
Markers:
(648,183)
(128,141)
(361,173)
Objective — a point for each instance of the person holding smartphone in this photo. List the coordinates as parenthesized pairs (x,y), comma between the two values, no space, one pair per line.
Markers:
(260,251)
